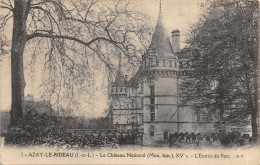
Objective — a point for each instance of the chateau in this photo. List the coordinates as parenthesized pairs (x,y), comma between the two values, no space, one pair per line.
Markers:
(149,101)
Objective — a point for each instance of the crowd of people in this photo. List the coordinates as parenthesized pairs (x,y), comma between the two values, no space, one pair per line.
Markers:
(99,138)
(198,139)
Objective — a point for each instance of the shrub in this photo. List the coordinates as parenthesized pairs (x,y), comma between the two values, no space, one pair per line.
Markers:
(42,129)
(230,139)
(34,129)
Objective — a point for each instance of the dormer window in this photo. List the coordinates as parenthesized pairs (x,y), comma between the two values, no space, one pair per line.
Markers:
(180,65)
(170,63)
(150,61)
(157,63)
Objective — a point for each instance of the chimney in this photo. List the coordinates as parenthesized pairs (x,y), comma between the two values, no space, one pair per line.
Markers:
(176,40)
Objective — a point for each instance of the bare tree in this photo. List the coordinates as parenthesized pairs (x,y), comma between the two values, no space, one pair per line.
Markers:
(68,34)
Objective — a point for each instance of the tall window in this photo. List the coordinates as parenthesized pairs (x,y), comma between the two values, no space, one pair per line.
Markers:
(152,90)
(198,115)
(152,116)
(152,100)
(142,102)
(157,63)
(164,64)
(170,63)
(151,133)
(152,109)
(152,113)
(133,102)
(150,61)
(175,64)
(142,87)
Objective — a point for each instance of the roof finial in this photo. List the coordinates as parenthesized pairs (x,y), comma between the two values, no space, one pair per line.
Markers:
(119,62)
(160,7)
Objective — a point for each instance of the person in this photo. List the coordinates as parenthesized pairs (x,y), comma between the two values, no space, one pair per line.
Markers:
(188,138)
(208,139)
(193,138)
(198,139)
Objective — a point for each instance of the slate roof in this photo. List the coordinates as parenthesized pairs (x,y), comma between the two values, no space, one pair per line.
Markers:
(160,40)
(134,81)
(120,80)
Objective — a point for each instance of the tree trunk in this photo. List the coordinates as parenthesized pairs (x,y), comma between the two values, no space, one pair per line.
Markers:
(254,125)
(253,107)
(258,90)
(17,73)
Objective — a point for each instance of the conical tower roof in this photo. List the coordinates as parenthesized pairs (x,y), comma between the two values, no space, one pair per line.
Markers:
(120,80)
(160,40)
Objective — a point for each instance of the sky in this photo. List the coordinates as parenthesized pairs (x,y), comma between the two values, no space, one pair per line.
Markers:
(177,14)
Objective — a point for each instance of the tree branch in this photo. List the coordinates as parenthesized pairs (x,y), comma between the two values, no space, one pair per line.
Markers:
(5,7)
(35,35)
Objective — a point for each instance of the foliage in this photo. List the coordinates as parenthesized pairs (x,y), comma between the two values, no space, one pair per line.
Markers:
(223,64)
(41,129)
(230,139)
(34,129)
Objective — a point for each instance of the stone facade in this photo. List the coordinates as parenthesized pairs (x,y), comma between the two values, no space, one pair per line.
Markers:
(150,100)
(126,104)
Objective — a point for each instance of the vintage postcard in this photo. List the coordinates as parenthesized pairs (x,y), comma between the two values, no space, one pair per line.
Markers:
(130,82)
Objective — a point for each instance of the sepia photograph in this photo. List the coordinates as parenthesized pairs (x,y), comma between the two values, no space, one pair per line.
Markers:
(129,82)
